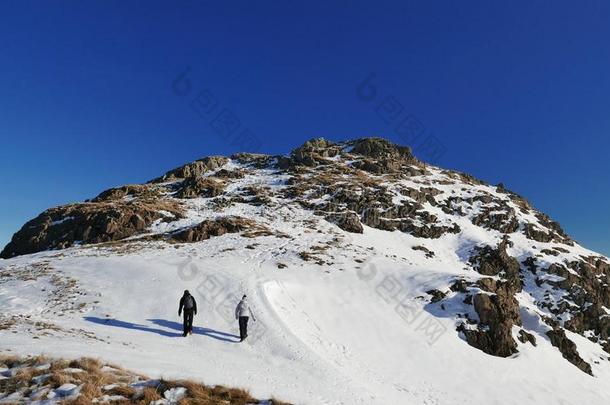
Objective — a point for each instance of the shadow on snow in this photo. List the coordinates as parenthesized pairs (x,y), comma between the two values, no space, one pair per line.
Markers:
(175,326)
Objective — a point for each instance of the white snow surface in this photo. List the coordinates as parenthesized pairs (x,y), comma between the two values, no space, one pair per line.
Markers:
(358,331)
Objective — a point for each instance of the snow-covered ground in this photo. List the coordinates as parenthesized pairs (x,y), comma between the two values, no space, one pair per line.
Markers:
(356,332)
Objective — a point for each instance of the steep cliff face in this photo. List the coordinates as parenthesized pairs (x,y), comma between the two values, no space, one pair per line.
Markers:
(513,261)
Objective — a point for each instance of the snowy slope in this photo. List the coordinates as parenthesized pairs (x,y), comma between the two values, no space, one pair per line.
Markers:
(353,325)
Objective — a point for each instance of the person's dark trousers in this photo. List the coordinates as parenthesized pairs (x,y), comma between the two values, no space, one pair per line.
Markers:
(243,327)
(188,321)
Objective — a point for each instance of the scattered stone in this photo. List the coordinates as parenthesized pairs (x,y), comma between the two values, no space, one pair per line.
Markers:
(459,285)
(437,295)
(526,337)
(428,252)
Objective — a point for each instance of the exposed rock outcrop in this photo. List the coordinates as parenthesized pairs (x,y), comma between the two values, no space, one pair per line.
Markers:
(568,349)
(86,223)
(552,231)
(586,284)
(230,174)
(312,153)
(193,187)
(214,227)
(497,314)
(348,221)
(381,156)
(374,155)
(256,160)
(143,191)
(497,308)
(491,261)
(195,169)
(502,219)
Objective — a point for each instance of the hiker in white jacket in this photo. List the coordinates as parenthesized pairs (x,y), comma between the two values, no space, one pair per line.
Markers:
(242,313)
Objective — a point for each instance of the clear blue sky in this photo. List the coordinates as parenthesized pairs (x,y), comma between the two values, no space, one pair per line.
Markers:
(517,92)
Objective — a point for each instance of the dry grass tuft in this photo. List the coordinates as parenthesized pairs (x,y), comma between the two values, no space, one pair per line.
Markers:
(124,390)
(59,365)
(58,378)
(93,379)
(148,395)
(38,360)
(87,364)
(197,392)
(7,323)
(236,396)
(9,360)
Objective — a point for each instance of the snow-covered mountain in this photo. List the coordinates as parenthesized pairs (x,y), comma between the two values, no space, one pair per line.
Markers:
(375,279)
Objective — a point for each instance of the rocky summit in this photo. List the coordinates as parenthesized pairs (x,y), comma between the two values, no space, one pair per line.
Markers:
(506,276)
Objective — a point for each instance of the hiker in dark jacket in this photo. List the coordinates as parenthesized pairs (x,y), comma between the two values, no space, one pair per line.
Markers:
(190,308)
(242,313)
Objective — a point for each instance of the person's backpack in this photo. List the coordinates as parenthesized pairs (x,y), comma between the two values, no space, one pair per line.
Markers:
(189,302)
